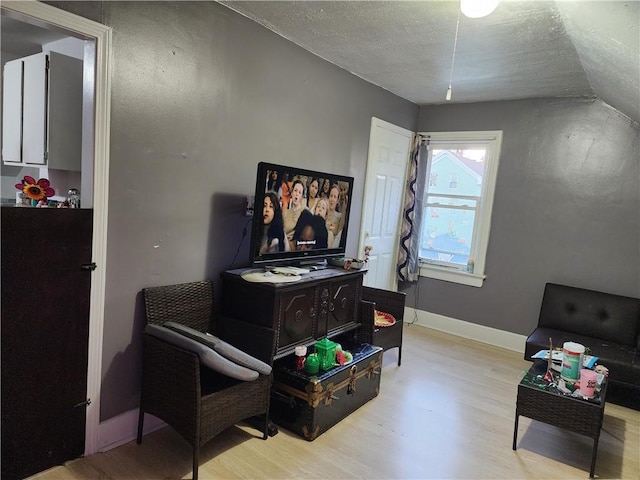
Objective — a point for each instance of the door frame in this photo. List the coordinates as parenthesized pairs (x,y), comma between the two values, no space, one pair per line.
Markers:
(367,197)
(39,13)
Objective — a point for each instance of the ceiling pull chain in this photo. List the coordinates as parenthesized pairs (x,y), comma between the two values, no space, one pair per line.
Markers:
(453,58)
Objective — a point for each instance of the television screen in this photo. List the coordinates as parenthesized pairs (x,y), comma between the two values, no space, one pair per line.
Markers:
(299,215)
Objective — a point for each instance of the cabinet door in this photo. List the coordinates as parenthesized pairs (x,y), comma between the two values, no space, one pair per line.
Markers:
(298,317)
(342,304)
(12,112)
(65,113)
(34,142)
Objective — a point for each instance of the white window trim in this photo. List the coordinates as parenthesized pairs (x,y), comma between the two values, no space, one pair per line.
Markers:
(492,140)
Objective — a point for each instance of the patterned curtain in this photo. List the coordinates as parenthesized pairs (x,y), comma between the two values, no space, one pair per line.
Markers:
(407,268)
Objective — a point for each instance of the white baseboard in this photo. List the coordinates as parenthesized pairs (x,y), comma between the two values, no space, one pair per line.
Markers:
(124,428)
(480,333)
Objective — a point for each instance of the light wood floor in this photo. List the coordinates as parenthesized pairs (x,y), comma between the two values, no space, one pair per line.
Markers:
(446,413)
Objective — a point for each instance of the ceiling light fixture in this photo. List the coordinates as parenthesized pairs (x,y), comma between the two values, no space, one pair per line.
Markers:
(453,59)
(477,8)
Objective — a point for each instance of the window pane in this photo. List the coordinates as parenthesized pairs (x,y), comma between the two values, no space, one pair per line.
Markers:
(447,235)
(464,169)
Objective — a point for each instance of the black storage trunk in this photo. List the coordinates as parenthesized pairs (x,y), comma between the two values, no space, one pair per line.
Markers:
(311,404)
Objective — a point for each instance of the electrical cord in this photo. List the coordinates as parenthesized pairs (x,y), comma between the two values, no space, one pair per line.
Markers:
(244,234)
(416,301)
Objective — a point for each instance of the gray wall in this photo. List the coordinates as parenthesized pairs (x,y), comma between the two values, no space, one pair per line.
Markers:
(200,95)
(566,209)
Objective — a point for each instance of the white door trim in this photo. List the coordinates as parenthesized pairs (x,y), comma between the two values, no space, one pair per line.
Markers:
(102,36)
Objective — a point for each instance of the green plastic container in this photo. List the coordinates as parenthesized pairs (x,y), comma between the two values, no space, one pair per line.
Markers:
(326,350)
(312,364)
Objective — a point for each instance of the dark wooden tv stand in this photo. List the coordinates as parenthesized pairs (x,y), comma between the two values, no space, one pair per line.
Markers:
(323,303)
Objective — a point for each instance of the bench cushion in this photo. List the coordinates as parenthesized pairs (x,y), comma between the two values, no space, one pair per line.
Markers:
(208,357)
(220,346)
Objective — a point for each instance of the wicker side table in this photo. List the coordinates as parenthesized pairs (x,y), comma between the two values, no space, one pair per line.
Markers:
(387,301)
(555,408)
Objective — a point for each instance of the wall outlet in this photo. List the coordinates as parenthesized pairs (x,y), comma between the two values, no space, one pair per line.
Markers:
(248,208)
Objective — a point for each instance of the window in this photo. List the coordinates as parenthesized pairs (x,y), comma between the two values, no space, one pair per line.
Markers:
(453,180)
(456,218)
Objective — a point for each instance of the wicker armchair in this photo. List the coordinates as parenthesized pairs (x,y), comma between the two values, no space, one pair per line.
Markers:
(385,301)
(194,400)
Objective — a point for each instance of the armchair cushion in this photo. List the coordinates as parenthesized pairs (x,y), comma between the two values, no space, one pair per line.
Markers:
(223,348)
(208,357)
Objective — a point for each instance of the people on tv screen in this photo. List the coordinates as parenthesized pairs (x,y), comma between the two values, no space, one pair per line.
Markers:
(302,212)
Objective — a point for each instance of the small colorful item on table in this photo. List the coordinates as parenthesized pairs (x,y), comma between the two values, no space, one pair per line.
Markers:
(300,353)
(343,357)
(36,191)
(312,364)
(367,251)
(326,350)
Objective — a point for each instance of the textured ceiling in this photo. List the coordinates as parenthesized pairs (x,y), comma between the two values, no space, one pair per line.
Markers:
(522,50)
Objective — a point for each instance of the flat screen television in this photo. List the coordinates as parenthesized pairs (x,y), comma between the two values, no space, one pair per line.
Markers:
(300,216)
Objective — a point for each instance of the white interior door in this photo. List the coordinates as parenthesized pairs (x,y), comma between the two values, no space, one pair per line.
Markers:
(383,201)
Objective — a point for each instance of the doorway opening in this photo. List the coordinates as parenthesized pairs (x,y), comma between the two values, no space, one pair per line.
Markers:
(69,130)
(43,15)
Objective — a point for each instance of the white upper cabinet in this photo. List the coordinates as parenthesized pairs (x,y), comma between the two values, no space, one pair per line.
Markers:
(34,110)
(12,112)
(42,112)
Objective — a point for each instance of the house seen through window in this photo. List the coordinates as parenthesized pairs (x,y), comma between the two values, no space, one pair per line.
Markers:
(456,219)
